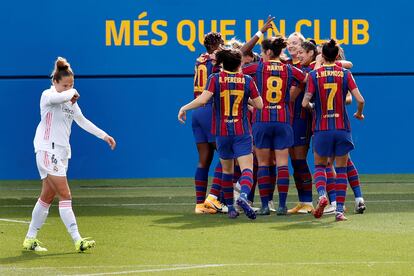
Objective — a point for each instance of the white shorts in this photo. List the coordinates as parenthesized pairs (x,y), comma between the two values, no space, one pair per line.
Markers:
(51,163)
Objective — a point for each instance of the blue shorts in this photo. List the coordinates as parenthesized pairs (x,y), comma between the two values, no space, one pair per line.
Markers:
(231,147)
(272,135)
(201,123)
(302,131)
(331,143)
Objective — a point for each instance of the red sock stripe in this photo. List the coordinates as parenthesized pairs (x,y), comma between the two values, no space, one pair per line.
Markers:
(65,204)
(44,204)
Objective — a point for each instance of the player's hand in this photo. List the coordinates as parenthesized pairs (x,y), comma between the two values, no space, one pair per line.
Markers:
(268,24)
(75,97)
(359,116)
(182,116)
(111,141)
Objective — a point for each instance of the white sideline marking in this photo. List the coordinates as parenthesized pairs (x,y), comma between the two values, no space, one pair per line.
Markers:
(172,267)
(176,204)
(149,270)
(13,220)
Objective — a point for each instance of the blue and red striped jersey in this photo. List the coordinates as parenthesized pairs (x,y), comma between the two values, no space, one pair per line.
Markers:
(203,68)
(329,86)
(231,92)
(274,79)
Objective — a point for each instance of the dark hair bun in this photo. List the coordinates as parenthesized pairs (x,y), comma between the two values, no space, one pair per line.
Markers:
(332,43)
(62,64)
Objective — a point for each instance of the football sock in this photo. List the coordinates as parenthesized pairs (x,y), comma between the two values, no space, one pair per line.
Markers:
(330,184)
(201,179)
(39,215)
(340,187)
(320,180)
(353,178)
(68,218)
(282,184)
(227,188)
(263,178)
(216,185)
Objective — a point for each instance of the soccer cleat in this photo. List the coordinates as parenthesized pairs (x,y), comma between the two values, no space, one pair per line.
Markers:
(271,206)
(233,213)
(201,209)
(84,244)
(33,244)
(340,217)
(295,210)
(360,206)
(281,211)
(318,212)
(213,203)
(329,210)
(248,211)
(264,211)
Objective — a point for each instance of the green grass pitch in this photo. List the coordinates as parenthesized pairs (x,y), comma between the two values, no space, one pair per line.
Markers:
(148,226)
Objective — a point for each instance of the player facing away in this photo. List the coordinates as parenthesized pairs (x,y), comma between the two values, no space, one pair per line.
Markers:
(329,86)
(201,125)
(58,109)
(272,131)
(231,92)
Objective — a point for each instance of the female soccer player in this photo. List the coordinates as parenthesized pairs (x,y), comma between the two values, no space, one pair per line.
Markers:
(301,120)
(329,86)
(231,91)
(58,109)
(271,129)
(201,124)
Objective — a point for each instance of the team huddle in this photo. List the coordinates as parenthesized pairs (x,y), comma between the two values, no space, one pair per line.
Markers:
(258,111)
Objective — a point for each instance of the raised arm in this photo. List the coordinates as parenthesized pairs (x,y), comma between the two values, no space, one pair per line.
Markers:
(249,45)
(62,97)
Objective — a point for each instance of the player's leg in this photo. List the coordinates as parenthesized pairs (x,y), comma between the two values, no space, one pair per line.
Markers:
(343,145)
(303,179)
(262,138)
(282,141)
(205,157)
(61,187)
(273,175)
(246,182)
(201,124)
(341,185)
(323,147)
(242,148)
(39,216)
(227,185)
(212,201)
(330,187)
(264,179)
(282,182)
(353,179)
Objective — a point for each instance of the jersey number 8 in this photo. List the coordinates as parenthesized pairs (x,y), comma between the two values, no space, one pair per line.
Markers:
(274,89)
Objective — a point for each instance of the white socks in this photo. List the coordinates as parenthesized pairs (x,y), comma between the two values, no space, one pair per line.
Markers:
(68,218)
(39,215)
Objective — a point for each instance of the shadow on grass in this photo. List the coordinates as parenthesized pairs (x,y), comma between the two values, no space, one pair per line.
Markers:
(31,255)
(184,222)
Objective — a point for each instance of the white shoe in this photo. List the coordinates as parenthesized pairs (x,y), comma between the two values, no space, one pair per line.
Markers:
(271,205)
(360,205)
(329,210)
(236,191)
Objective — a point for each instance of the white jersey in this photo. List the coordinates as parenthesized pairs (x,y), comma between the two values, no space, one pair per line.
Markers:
(57,114)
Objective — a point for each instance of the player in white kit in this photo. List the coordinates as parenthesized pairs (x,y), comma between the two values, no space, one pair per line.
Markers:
(58,109)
